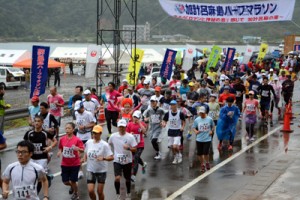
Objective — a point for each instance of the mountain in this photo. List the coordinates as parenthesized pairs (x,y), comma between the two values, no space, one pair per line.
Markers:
(75,20)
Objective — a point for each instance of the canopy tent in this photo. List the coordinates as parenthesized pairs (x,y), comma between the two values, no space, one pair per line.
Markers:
(152,56)
(9,57)
(77,53)
(27,64)
(123,59)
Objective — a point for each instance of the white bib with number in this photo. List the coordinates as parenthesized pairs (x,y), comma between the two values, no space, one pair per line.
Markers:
(155,119)
(265,93)
(24,192)
(68,152)
(122,158)
(137,138)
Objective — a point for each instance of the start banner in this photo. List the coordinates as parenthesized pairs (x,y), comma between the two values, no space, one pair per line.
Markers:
(263,11)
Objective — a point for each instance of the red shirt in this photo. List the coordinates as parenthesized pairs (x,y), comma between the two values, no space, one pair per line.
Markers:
(69,156)
(112,97)
(139,86)
(122,88)
(224,96)
(136,130)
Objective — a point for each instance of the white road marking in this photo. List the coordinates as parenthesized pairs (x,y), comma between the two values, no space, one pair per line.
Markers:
(218,166)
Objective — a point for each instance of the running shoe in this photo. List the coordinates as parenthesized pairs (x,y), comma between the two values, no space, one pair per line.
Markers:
(75,196)
(229,148)
(133,178)
(128,196)
(220,146)
(71,190)
(144,168)
(207,166)
(202,168)
(118,197)
(175,161)
(189,135)
(252,139)
(179,159)
(108,136)
(158,156)
(80,175)
(50,177)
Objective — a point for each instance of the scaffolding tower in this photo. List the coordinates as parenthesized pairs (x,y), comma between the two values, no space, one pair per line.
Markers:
(111,15)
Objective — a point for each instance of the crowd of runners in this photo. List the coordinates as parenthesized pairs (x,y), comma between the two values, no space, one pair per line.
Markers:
(208,106)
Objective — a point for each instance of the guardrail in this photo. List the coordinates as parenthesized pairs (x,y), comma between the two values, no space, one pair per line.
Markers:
(17,113)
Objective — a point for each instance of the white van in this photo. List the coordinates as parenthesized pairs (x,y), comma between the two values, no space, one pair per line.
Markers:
(11,77)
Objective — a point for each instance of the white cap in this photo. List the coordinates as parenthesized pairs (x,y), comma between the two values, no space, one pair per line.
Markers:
(178,84)
(78,105)
(137,114)
(276,79)
(146,82)
(153,98)
(86,92)
(125,80)
(271,70)
(202,110)
(122,123)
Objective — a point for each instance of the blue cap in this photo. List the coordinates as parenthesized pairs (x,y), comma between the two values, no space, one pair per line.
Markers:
(173,102)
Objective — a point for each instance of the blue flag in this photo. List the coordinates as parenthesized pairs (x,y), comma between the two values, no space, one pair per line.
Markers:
(166,68)
(39,70)
(229,58)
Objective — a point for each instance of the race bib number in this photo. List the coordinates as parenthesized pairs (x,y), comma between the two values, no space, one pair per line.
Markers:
(174,123)
(155,119)
(137,138)
(265,93)
(212,114)
(184,97)
(68,152)
(38,148)
(53,106)
(92,154)
(250,107)
(122,158)
(204,127)
(166,106)
(238,93)
(126,119)
(254,87)
(24,192)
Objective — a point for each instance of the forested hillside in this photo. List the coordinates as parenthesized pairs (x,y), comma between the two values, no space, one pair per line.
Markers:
(37,20)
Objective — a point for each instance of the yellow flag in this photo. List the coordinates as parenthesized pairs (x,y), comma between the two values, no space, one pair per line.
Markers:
(262,52)
(132,80)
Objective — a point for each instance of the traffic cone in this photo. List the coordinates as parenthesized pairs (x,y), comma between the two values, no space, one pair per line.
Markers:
(286,123)
(101,117)
(290,111)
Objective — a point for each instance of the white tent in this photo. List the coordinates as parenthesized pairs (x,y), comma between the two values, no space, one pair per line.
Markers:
(123,59)
(152,56)
(9,57)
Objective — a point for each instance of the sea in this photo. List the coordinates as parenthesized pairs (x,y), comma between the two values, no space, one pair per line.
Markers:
(158,47)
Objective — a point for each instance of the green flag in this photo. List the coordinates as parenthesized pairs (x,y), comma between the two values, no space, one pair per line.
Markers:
(178,57)
(213,57)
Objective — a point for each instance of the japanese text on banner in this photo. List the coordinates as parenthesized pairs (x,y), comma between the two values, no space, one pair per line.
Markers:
(133,73)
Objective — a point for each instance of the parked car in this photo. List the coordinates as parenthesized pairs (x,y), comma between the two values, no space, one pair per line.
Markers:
(10,77)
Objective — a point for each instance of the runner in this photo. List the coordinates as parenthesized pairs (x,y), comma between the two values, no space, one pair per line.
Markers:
(97,153)
(164,102)
(56,104)
(275,102)
(146,92)
(33,110)
(40,139)
(264,91)
(214,108)
(226,129)
(137,128)
(203,127)
(124,144)
(50,124)
(154,116)
(3,107)
(69,148)
(251,105)
(90,104)
(112,111)
(24,175)
(287,89)
(3,145)
(225,95)
(176,127)
(240,90)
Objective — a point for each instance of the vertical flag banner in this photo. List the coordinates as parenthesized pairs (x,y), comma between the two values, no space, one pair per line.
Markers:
(188,57)
(224,51)
(213,57)
(92,58)
(132,80)
(296,47)
(229,58)
(246,12)
(179,57)
(248,53)
(262,52)
(39,70)
(166,68)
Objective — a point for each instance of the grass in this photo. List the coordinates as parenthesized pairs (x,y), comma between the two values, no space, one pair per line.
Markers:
(16,123)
